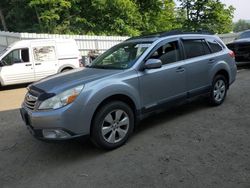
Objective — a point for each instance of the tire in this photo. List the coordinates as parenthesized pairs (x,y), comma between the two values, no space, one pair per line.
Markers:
(218,91)
(112,125)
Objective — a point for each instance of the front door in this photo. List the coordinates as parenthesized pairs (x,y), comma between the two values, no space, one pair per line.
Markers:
(165,84)
(17,67)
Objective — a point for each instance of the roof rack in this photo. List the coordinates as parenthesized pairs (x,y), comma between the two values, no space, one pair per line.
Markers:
(169,33)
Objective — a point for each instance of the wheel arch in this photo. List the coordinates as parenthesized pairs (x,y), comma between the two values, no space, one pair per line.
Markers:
(65,67)
(224,73)
(116,97)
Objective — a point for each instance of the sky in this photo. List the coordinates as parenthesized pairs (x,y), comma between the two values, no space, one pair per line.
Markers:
(242,8)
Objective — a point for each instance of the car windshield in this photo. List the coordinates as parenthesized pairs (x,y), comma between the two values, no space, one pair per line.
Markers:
(245,35)
(121,56)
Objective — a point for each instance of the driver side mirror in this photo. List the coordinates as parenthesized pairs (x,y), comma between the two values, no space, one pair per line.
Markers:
(153,64)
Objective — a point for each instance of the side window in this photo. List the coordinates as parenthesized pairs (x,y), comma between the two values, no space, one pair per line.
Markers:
(25,55)
(195,48)
(214,45)
(17,56)
(168,53)
(44,53)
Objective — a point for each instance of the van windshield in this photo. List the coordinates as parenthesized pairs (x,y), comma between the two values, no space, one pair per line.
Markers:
(121,56)
(2,51)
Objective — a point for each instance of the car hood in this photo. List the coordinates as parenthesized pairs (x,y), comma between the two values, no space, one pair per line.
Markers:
(62,81)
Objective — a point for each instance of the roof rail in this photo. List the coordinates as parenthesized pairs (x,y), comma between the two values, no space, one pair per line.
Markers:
(170,33)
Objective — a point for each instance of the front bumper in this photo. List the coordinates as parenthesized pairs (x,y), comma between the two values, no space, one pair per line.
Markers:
(64,123)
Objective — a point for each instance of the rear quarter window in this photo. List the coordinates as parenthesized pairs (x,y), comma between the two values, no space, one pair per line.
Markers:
(214,45)
(195,48)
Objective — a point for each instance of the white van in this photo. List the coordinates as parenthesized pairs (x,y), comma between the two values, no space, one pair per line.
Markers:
(30,60)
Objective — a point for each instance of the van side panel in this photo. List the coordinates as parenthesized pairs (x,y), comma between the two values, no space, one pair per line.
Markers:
(68,54)
(46,57)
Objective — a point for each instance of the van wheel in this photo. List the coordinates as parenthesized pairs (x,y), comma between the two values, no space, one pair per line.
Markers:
(112,125)
(218,91)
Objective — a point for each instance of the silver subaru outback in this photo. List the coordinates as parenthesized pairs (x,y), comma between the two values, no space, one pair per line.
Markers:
(127,83)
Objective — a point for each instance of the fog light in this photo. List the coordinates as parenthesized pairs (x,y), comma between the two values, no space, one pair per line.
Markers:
(54,134)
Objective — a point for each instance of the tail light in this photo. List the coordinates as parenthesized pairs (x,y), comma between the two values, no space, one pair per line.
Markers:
(232,54)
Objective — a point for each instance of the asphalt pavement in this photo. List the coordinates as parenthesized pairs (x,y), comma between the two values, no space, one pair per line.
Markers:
(193,145)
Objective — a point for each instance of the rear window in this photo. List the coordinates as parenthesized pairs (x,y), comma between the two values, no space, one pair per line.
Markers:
(195,48)
(214,45)
(244,35)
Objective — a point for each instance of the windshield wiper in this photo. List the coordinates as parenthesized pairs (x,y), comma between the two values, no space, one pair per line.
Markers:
(105,67)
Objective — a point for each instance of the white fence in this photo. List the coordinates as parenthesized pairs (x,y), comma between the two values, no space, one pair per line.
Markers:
(84,42)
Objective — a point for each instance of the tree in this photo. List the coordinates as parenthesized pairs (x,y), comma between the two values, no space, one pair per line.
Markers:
(17,16)
(53,16)
(3,5)
(241,25)
(210,15)
(158,15)
(99,17)
(114,17)
(127,17)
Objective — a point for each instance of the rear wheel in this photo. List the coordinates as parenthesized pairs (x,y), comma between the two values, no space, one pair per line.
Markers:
(219,90)
(112,125)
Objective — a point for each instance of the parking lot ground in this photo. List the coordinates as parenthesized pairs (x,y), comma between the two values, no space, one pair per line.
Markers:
(11,97)
(193,145)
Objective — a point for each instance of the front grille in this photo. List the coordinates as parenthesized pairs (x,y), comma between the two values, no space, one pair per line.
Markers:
(30,101)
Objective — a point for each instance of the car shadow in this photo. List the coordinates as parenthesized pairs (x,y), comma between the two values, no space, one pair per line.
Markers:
(172,113)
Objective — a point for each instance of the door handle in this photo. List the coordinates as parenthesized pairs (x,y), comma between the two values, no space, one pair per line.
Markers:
(180,69)
(27,65)
(38,64)
(211,61)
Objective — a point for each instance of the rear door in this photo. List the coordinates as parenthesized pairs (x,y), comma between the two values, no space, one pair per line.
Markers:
(198,63)
(45,59)
(18,67)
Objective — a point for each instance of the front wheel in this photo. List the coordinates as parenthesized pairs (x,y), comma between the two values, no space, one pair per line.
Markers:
(112,125)
(218,91)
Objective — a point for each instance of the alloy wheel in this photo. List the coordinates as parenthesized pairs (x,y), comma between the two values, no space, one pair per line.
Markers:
(219,90)
(115,126)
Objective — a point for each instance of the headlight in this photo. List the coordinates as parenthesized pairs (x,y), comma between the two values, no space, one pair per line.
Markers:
(61,99)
